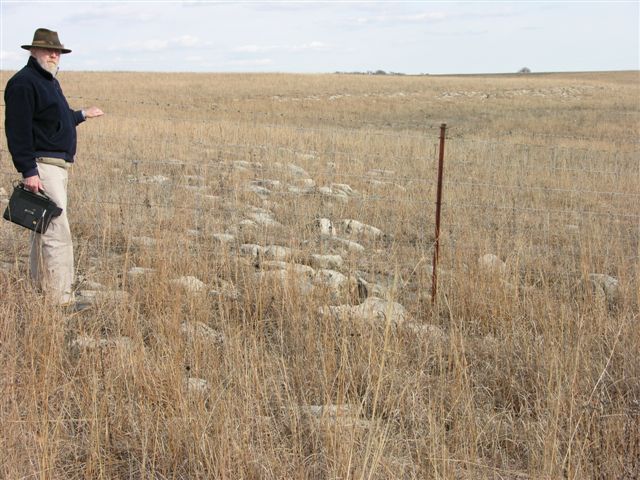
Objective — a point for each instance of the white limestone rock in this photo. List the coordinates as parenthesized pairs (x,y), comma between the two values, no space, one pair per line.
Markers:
(189,284)
(300,269)
(211,198)
(331,278)
(196,386)
(381,173)
(325,227)
(426,330)
(84,342)
(370,289)
(251,250)
(265,211)
(224,288)
(605,286)
(136,272)
(338,285)
(331,410)
(262,192)
(101,296)
(242,164)
(277,276)
(267,183)
(334,417)
(193,330)
(343,189)
(266,265)
(194,179)
(195,188)
(152,179)
(337,195)
(380,183)
(490,263)
(264,219)
(299,190)
(297,171)
(245,166)
(247,224)
(295,268)
(325,191)
(143,241)
(286,279)
(223,238)
(349,245)
(277,252)
(326,261)
(307,182)
(91,285)
(373,309)
(359,229)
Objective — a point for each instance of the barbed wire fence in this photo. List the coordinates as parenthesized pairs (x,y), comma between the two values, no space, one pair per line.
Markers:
(472,218)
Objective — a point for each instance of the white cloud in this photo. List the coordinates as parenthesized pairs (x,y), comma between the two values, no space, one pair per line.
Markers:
(423,17)
(152,45)
(11,56)
(159,45)
(186,41)
(120,13)
(254,48)
(312,46)
(251,63)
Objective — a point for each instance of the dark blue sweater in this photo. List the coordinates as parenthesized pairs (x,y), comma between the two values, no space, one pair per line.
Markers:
(38,120)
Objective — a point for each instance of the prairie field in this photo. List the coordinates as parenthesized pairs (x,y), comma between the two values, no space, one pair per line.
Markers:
(258,254)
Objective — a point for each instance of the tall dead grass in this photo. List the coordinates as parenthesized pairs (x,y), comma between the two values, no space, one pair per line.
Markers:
(526,372)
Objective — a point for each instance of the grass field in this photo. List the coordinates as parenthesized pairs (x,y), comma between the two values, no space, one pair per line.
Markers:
(235,334)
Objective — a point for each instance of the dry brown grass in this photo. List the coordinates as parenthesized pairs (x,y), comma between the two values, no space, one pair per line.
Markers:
(530,373)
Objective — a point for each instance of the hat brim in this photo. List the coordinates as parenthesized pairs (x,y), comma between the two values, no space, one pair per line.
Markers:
(62,50)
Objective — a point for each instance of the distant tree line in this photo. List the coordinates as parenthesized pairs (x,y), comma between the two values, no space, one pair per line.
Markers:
(382,72)
(376,72)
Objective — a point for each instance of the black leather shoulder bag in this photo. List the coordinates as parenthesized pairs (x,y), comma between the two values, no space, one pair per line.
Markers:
(31,210)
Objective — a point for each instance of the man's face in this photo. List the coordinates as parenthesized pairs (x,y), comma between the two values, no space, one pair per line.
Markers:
(48,58)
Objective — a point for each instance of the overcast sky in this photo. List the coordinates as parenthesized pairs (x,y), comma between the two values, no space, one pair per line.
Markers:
(399,36)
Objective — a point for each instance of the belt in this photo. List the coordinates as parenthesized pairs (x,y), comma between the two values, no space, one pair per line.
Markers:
(58,162)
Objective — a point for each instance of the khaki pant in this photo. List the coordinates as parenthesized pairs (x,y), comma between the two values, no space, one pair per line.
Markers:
(51,259)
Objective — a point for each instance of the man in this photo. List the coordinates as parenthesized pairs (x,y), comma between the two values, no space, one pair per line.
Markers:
(41,135)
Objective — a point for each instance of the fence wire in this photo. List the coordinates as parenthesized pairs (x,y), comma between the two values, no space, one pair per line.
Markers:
(387,179)
(465,157)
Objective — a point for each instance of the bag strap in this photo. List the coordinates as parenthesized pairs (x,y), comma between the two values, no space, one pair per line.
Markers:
(40,193)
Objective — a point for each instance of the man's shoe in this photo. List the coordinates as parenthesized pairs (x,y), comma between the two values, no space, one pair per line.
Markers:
(75,305)
(81,305)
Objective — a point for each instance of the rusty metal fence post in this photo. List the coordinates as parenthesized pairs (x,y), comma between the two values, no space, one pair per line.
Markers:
(436,245)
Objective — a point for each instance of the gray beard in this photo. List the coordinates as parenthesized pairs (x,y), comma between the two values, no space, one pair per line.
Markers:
(53,70)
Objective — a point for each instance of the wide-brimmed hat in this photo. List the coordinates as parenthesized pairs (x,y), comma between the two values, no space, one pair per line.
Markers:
(44,38)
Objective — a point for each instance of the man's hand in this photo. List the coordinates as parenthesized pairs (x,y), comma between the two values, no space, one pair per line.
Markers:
(93,112)
(33,183)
